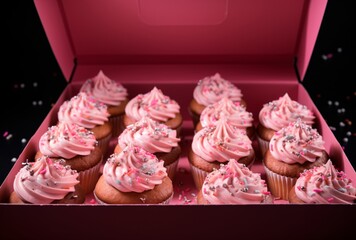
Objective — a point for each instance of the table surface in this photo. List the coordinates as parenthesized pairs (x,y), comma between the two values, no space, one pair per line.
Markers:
(33,81)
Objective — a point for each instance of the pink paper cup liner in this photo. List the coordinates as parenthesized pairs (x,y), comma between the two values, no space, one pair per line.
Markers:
(171,169)
(103,144)
(278,185)
(89,177)
(263,145)
(198,176)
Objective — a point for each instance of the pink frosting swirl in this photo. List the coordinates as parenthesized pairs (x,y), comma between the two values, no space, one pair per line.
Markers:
(149,135)
(235,113)
(325,184)
(153,104)
(297,143)
(213,88)
(134,170)
(83,110)
(221,142)
(67,140)
(105,90)
(45,180)
(234,183)
(279,113)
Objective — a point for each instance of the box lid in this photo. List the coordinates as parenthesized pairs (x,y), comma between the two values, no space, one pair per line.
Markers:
(181,31)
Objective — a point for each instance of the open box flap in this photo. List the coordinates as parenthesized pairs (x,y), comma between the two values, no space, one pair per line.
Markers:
(181,31)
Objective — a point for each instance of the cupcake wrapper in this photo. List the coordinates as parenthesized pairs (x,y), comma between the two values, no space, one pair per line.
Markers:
(116,125)
(279,185)
(104,144)
(263,145)
(89,177)
(171,169)
(198,176)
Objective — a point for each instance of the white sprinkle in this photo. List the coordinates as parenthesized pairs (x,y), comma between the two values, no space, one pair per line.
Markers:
(342,124)
(339,49)
(40,102)
(330,103)
(24,140)
(8,137)
(34,103)
(332,128)
(22,85)
(348,134)
(336,103)
(35,84)
(13,159)
(345,139)
(324,57)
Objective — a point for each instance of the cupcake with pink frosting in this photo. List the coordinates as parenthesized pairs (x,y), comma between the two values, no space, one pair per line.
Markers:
(236,115)
(234,183)
(155,105)
(155,138)
(47,181)
(111,93)
(278,114)
(210,90)
(323,185)
(215,145)
(89,113)
(78,146)
(292,150)
(134,176)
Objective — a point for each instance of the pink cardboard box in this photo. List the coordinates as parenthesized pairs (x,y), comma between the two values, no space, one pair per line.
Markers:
(263,47)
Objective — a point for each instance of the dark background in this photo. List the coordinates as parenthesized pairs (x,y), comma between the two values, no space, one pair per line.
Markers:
(32,80)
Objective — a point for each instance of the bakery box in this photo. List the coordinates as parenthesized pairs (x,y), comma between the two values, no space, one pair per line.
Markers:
(262,46)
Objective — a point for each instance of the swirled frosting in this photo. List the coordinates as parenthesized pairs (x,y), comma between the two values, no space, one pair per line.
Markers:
(279,113)
(154,104)
(149,135)
(325,184)
(235,113)
(213,88)
(234,183)
(105,89)
(83,110)
(134,170)
(297,143)
(221,142)
(67,140)
(45,180)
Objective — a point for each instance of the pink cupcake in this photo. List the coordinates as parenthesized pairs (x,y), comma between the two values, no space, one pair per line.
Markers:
(278,114)
(134,176)
(78,147)
(155,138)
(292,150)
(210,90)
(323,185)
(89,113)
(236,114)
(47,181)
(155,105)
(215,145)
(111,93)
(233,183)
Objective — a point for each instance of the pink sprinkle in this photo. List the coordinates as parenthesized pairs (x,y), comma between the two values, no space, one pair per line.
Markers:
(187,189)
(330,55)
(154,102)
(330,199)
(299,188)
(266,192)
(5,134)
(43,171)
(318,190)
(92,201)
